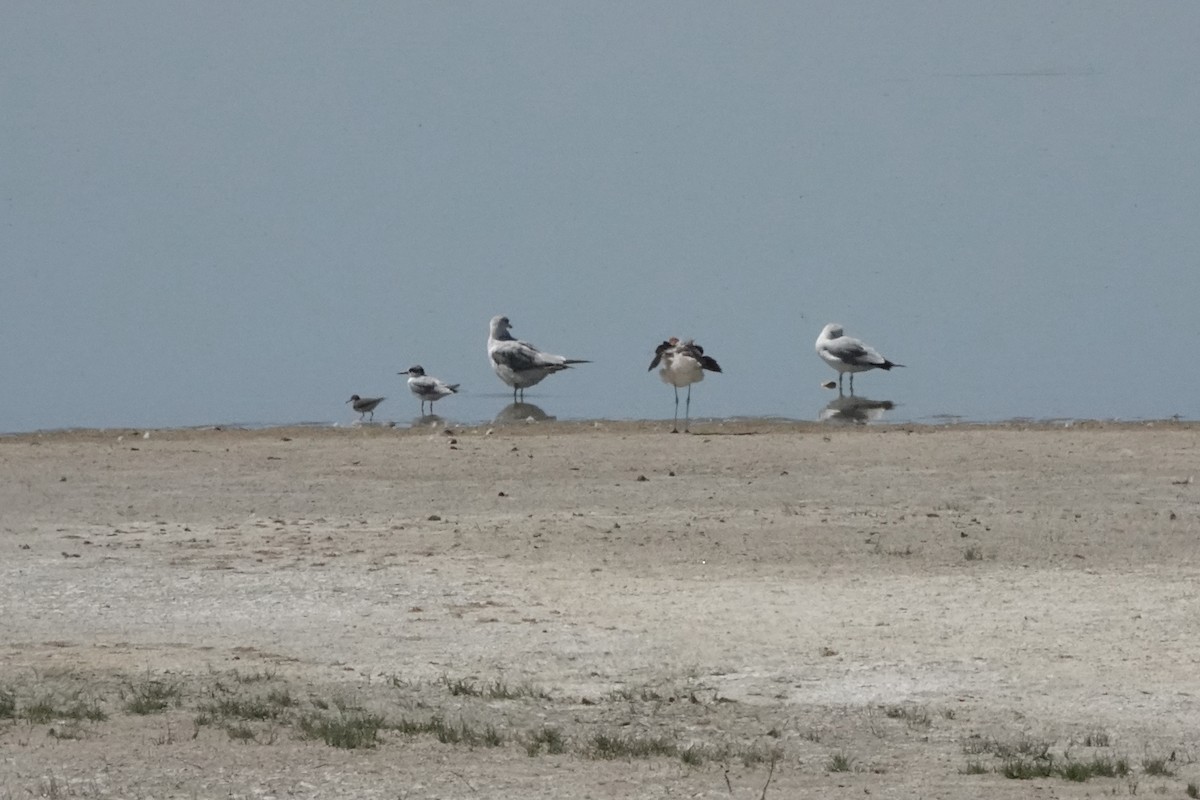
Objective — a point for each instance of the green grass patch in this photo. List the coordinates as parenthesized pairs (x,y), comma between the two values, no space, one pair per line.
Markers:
(839,762)
(152,696)
(607,747)
(447,732)
(349,732)
(251,708)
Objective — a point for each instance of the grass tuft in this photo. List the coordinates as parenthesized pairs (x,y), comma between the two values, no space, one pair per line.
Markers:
(608,747)
(839,762)
(152,696)
(549,739)
(1024,769)
(1157,766)
(349,732)
(913,716)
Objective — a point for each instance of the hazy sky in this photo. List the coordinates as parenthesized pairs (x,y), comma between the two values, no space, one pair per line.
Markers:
(246,211)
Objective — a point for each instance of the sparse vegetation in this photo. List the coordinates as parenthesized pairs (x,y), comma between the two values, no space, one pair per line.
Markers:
(913,716)
(548,739)
(47,708)
(349,732)
(1157,766)
(1027,758)
(608,746)
(1024,769)
(448,733)
(497,689)
(249,708)
(152,696)
(240,732)
(839,762)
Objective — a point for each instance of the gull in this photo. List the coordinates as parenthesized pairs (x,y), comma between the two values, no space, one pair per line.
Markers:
(520,364)
(848,355)
(365,405)
(426,387)
(683,363)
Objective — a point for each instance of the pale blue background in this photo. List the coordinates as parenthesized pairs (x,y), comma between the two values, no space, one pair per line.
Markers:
(245,211)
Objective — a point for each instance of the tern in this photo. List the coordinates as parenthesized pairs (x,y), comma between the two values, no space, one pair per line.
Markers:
(848,355)
(365,405)
(520,364)
(426,387)
(683,363)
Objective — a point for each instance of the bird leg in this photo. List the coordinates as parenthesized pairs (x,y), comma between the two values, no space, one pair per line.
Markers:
(675,423)
(687,419)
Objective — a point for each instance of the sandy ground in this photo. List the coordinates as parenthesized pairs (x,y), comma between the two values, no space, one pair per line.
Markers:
(755,610)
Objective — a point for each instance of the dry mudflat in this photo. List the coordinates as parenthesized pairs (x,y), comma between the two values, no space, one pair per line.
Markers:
(756,610)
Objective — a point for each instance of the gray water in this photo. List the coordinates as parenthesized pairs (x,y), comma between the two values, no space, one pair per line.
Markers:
(245,212)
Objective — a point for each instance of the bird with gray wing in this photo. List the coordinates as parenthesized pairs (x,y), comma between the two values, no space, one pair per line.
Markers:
(365,405)
(520,364)
(426,387)
(845,354)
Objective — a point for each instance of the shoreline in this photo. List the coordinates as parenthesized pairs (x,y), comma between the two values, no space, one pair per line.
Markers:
(705,426)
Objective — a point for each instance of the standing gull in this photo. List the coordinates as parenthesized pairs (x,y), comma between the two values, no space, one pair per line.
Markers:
(365,405)
(520,364)
(426,387)
(683,363)
(848,355)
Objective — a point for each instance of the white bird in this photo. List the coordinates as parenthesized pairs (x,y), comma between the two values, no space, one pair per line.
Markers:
(683,363)
(426,387)
(848,355)
(520,364)
(365,405)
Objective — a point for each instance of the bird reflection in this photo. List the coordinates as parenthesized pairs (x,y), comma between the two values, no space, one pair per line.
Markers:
(428,421)
(522,412)
(848,409)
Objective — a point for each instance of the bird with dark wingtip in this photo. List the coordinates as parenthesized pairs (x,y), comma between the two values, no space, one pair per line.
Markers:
(426,387)
(365,405)
(520,364)
(683,363)
(848,355)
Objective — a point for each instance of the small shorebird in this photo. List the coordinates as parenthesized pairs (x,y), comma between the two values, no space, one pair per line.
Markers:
(848,355)
(520,364)
(683,363)
(426,387)
(365,405)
